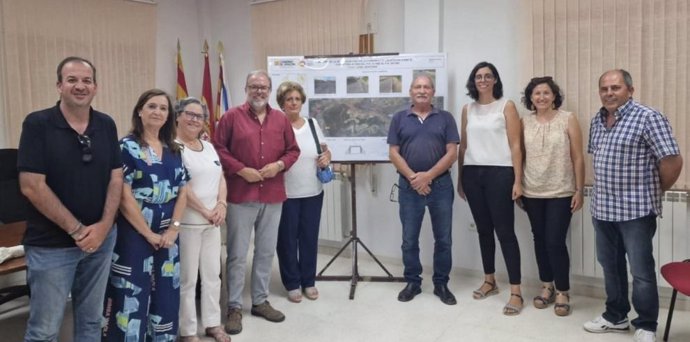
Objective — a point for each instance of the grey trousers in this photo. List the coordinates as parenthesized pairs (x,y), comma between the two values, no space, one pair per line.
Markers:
(241,220)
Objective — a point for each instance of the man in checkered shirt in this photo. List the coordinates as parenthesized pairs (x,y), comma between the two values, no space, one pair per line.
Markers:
(635,159)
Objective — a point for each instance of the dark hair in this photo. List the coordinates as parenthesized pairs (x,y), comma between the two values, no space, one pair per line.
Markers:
(74,59)
(287,87)
(627,78)
(472,87)
(167,132)
(533,83)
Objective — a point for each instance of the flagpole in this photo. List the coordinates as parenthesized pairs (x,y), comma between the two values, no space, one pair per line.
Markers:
(222,99)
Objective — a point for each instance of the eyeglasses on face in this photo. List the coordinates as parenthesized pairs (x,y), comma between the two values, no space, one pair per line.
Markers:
(85,144)
(485,77)
(257,88)
(195,116)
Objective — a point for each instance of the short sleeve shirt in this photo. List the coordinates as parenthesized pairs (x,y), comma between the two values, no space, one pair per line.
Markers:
(422,142)
(154,179)
(626,162)
(49,146)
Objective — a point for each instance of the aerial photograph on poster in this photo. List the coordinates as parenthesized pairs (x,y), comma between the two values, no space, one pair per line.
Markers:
(358,117)
(354,97)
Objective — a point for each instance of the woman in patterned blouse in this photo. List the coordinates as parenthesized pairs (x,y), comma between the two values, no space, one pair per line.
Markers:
(554,172)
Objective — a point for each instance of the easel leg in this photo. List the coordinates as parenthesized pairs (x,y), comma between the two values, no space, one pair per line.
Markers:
(354,278)
(334,257)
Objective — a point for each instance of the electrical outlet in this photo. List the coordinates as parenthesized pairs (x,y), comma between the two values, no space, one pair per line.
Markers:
(472,227)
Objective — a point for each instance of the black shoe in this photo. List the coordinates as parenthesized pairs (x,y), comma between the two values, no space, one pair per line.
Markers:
(408,293)
(444,293)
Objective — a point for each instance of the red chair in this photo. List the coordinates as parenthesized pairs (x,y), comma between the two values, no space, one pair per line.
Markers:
(678,275)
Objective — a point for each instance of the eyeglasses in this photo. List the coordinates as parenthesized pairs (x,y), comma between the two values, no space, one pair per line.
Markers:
(486,77)
(257,88)
(85,144)
(195,116)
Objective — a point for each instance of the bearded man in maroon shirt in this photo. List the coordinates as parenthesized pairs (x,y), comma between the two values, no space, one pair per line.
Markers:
(256,145)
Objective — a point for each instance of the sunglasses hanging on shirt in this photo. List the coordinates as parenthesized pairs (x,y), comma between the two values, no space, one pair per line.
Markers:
(85,144)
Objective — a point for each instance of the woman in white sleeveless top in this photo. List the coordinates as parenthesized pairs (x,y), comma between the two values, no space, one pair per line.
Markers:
(200,227)
(554,176)
(489,177)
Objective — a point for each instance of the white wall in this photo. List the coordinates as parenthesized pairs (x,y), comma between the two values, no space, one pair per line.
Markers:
(192,21)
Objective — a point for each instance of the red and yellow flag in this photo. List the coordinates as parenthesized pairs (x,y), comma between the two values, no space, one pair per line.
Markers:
(181,83)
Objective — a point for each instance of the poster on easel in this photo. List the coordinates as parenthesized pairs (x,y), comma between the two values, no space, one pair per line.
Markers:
(354,97)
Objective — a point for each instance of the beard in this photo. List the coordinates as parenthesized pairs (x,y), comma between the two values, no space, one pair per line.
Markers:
(257,104)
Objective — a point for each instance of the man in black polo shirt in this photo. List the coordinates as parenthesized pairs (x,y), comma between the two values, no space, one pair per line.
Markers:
(70,171)
(423,146)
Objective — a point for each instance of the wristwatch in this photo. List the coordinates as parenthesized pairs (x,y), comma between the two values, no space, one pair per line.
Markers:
(176,224)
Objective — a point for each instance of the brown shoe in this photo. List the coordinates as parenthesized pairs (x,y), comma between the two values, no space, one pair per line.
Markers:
(266,311)
(233,326)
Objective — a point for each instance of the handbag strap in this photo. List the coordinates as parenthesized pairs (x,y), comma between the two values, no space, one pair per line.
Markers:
(313,133)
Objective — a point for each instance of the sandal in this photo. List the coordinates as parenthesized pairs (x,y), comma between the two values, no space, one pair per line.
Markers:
(541,302)
(189,339)
(562,309)
(512,310)
(478,294)
(218,334)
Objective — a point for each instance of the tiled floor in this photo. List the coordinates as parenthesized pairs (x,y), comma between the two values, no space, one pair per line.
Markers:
(376,315)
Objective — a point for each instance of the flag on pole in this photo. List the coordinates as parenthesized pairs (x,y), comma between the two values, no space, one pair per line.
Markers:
(206,91)
(181,83)
(222,98)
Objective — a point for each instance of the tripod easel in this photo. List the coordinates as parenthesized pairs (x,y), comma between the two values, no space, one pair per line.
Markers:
(354,240)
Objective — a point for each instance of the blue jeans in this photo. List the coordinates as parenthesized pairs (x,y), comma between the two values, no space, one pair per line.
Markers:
(298,241)
(52,273)
(614,240)
(412,209)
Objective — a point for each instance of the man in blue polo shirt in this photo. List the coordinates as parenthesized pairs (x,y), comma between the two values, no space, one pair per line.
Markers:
(423,146)
(635,159)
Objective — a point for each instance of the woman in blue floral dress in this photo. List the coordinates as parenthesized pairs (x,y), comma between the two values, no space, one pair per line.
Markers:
(143,294)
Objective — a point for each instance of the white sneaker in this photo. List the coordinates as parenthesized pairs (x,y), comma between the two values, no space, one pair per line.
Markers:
(601,325)
(642,335)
